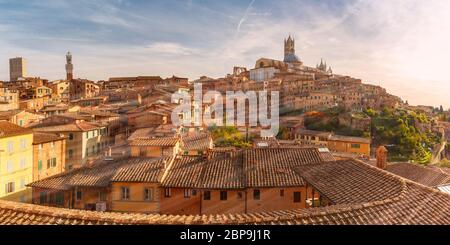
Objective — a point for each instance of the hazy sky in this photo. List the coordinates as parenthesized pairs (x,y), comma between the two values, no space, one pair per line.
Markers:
(403,45)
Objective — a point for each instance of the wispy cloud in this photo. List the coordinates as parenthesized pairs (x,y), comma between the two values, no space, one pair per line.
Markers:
(402,45)
(168,48)
(244,18)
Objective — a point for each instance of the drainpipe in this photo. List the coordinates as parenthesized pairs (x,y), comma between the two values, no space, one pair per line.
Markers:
(245,200)
(306,196)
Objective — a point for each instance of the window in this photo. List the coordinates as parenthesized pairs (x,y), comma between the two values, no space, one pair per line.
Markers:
(40,165)
(87,151)
(207,195)
(256,195)
(281,193)
(23,163)
(297,197)
(187,193)
(70,136)
(22,183)
(70,153)
(223,195)
(167,192)
(194,192)
(60,199)
(42,197)
(102,196)
(10,166)
(10,187)
(125,193)
(356,146)
(40,147)
(51,163)
(239,195)
(10,147)
(79,195)
(52,144)
(148,194)
(23,144)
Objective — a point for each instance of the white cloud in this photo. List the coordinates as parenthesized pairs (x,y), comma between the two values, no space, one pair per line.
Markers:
(403,45)
(169,48)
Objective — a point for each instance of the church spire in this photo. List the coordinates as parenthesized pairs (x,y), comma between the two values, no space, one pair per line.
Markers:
(330,71)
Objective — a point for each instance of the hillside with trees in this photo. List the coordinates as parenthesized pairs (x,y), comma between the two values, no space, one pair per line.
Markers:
(398,130)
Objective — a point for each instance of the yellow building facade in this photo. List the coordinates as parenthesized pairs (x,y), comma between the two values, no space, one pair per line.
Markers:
(16,162)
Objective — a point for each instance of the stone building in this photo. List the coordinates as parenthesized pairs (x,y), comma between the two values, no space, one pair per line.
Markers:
(17,68)
(49,155)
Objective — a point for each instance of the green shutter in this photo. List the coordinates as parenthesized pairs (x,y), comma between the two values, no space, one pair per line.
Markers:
(40,165)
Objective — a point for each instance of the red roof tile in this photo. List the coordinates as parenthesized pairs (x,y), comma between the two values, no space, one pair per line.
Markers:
(8,129)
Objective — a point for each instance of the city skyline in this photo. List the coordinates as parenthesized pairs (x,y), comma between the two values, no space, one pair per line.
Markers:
(392,44)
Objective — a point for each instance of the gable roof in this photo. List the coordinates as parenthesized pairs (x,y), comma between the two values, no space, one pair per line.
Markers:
(197,141)
(274,167)
(40,138)
(350,181)
(103,173)
(404,203)
(164,142)
(71,127)
(8,129)
(253,168)
(419,174)
(417,205)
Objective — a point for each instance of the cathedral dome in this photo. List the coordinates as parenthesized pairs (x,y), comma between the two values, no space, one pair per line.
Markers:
(291,58)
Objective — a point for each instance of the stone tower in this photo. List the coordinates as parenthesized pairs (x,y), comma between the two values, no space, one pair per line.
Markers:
(69,66)
(289,51)
(289,46)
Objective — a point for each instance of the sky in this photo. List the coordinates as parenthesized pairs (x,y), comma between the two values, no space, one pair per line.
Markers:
(402,45)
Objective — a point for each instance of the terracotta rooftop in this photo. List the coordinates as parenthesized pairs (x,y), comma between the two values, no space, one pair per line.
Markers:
(223,172)
(274,167)
(6,115)
(103,173)
(142,170)
(416,205)
(253,168)
(40,138)
(164,142)
(350,181)
(197,141)
(72,127)
(8,129)
(141,133)
(420,174)
(185,172)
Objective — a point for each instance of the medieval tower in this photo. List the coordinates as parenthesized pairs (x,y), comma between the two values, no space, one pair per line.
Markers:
(69,66)
(289,51)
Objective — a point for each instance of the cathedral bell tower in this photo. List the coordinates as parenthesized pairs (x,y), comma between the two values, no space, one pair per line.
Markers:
(289,51)
(69,66)
(289,47)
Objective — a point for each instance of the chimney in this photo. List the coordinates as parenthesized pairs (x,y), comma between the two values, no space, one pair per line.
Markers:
(108,155)
(382,154)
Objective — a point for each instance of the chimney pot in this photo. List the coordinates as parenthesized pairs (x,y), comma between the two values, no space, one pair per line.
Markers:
(382,154)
